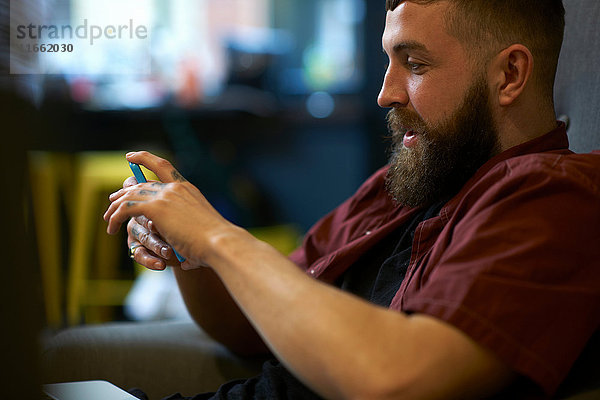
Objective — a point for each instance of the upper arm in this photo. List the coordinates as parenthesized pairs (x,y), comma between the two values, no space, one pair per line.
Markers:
(449,364)
(521,259)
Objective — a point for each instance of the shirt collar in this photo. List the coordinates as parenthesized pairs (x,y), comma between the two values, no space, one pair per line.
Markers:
(554,140)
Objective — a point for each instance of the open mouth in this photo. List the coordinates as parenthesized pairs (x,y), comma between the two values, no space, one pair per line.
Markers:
(410,138)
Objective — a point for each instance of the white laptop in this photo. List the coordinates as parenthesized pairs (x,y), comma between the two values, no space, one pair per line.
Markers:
(86,390)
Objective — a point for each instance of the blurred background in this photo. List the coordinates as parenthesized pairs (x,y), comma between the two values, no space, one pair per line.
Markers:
(268,106)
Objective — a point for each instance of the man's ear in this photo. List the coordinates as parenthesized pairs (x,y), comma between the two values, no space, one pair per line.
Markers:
(511,71)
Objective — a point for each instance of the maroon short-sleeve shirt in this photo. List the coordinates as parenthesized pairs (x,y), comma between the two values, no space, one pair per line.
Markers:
(513,260)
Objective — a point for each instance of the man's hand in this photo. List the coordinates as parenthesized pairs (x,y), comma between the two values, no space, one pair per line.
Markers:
(149,248)
(171,211)
(179,215)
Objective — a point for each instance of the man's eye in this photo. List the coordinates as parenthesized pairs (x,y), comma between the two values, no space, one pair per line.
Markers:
(414,67)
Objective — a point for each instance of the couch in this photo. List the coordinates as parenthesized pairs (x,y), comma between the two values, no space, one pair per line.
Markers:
(169,356)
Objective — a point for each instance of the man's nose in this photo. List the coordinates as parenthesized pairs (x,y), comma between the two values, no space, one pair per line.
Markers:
(393,93)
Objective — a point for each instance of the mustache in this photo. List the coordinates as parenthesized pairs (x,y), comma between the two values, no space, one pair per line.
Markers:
(400,121)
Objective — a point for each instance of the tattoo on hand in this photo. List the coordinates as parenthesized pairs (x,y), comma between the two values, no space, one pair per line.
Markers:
(135,233)
(145,192)
(177,176)
(130,203)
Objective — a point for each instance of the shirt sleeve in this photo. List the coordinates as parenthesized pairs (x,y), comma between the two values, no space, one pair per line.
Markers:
(521,271)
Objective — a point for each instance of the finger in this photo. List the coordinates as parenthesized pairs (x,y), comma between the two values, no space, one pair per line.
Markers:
(128,185)
(149,240)
(119,212)
(147,223)
(131,181)
(114,196)
(144,221)
(145,257)
(161,167)
(140,192)
(113,206)
(152,227)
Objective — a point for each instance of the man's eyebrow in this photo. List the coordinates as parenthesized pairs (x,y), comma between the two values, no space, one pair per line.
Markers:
(409,45)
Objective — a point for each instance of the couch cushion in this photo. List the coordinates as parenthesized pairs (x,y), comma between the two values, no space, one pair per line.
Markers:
(577,88)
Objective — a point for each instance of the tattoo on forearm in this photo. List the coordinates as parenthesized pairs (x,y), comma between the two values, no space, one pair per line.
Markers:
(177,176)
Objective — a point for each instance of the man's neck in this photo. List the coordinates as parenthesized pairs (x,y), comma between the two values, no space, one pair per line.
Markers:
(521,126)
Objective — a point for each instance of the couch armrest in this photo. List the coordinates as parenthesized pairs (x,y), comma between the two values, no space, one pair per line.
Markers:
(160,358)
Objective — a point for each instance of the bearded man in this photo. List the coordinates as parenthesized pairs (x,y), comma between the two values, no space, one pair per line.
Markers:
(466,268)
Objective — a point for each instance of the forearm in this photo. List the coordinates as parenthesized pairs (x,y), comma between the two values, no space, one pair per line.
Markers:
(320,333)
(216,312)
(342,346)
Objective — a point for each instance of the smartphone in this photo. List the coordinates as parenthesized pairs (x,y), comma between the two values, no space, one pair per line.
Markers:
(139,176)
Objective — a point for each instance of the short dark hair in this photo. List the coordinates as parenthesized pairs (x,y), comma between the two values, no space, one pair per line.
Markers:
(488,26)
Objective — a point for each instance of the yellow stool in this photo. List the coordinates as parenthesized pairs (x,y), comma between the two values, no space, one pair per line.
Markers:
(49,177)
(96,175)
(83,182)
(285,237)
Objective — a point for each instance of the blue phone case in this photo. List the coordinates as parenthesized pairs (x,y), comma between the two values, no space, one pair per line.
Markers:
(139,176)
(137,172)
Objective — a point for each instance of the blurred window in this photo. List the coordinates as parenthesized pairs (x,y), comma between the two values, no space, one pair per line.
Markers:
(315,47)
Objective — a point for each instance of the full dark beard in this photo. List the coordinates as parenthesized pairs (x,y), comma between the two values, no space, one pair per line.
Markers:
(446,155)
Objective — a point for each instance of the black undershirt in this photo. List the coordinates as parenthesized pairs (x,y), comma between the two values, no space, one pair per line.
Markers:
(376,277)
(378,274)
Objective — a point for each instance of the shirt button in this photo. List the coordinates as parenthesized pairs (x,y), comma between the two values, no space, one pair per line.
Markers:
(312,271)
(367,233)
